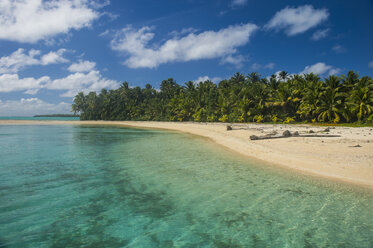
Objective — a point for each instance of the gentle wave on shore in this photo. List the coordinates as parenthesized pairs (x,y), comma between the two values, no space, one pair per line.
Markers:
(92,186)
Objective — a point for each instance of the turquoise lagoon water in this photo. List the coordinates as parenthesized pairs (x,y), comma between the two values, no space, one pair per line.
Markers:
(84,186)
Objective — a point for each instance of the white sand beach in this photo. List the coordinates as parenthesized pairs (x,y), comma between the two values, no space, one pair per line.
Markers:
(347,158)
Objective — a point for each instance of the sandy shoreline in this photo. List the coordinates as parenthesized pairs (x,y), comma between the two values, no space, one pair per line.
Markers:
(332,157)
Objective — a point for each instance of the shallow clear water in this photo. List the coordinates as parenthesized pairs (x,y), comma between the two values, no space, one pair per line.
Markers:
(76,186)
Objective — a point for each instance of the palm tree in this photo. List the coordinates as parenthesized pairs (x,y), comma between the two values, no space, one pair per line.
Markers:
(79,104)
(349,81)
(330,107)
(283,75)
(310,99)
(237,78)
(360,99)
(254,77)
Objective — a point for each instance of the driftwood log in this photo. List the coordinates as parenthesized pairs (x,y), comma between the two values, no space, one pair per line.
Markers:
(287,134)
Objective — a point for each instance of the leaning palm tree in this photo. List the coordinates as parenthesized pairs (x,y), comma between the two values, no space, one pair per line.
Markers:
(79,104)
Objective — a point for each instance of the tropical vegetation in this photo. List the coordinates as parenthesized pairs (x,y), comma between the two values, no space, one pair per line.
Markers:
(279,98)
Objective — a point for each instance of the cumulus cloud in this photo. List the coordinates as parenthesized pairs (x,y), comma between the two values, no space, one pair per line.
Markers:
(32,106)
(21,59)
(86,82)
(238,3)
(320,34)
(206,45)
(71,85)
(321,69)
(33,20)
(54,57)
(297,20)
(12,82)
(82,66)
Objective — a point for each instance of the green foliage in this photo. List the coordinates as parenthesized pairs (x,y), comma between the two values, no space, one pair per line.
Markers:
(295,98)
(224,118)
(274,118)
(289,120)
(258,118)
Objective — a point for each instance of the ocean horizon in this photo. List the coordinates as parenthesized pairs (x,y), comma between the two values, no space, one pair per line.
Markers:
(31,118)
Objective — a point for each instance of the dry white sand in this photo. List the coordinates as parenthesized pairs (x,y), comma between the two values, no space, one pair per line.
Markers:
(332,157)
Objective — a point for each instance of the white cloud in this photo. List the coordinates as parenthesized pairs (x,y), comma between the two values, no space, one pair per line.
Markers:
(257,66)
(86,82)
(297,20)
(321,69)
(205,78)
(72,84)
(206,45)
(20,59)
(338,49)
(320,34)
(183,31)
(32,106)
(370,64)
(82,66)
(11,82)
(269,66)
(54,57)
(33,20)
(237,3)
(234,59)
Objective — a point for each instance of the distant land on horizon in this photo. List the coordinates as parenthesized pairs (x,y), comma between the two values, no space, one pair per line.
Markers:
(57,115)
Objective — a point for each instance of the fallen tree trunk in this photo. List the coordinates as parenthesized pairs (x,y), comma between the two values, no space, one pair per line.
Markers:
(319,135)
(254,137)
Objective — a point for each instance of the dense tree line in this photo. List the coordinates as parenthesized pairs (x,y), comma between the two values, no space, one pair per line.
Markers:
(283,98)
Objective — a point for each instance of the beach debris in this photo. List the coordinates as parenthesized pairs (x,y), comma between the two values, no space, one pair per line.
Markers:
(311,131)
(295,134)
(286,133)
(229,128)
(327,129)
(271,134)
(356,145)
(319,135)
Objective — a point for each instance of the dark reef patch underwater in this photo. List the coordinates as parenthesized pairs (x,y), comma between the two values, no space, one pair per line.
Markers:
(85,186)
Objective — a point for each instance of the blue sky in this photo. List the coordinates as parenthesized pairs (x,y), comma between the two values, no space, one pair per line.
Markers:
(50,50)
